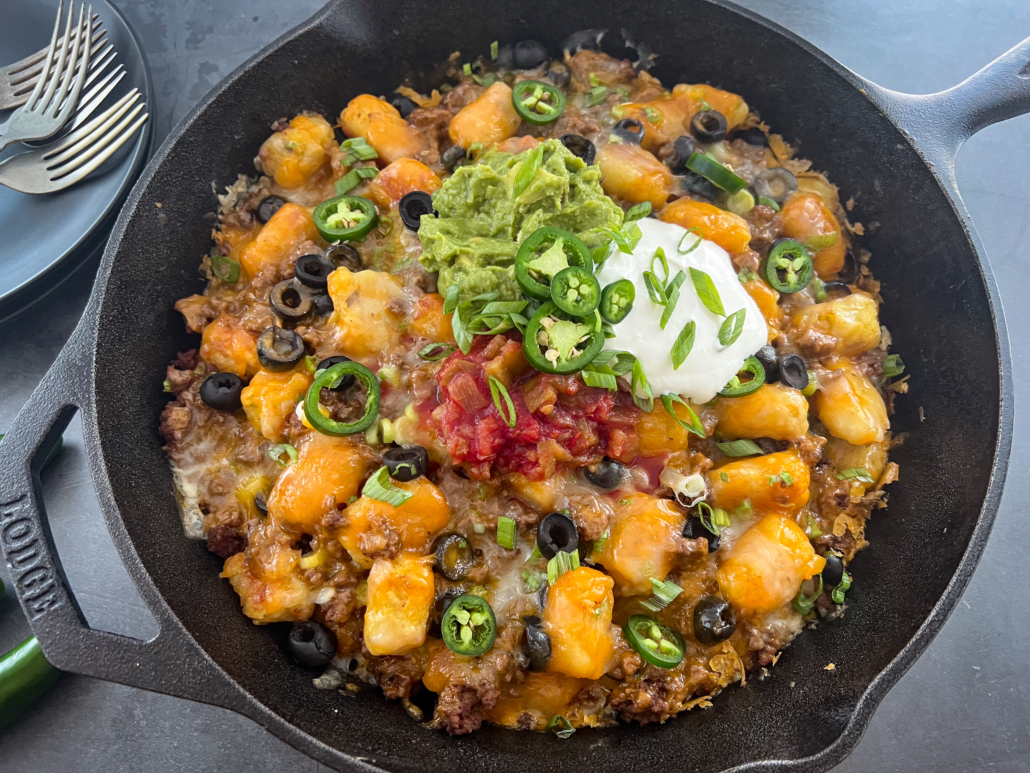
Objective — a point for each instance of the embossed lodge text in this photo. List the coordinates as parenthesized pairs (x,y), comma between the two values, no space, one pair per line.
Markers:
(23,548)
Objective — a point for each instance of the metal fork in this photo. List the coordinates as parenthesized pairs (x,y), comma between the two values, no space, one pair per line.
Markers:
(19,79)
(65,162)
(54,98)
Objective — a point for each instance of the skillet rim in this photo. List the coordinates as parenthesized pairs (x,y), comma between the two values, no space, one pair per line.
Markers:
(86,333)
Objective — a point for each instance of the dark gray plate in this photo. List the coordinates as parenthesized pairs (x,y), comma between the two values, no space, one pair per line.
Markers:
(42,237)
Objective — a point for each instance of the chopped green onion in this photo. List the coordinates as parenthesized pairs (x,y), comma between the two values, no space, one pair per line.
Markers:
(659,255)
(813,529)
(499,392)
(697,242)
(359,148)
(466,68)
(506,532)
(738,448)
(643,397)
(672,291)
(765,201)
(561,563)
(710,169)
(561,726)
(436,352)
(818,289)
(664,594)
(620,362)
(837,597)
(167,385)
(724,477)
(353,179)
(380,488)
(732,327)
(787,478)
(637,212)
(596,95)
(717,517)
(311,363)
(856,473)
(893,366)
(594,376)
(684,343)
(803,604)
(707,291)
(820,241)
(494,51)
(746,275)
(655,288)
(533,580)
(600,543)
(227,269)
(653,116)
(695,427)
(741,202)
(527,171)
(275,453)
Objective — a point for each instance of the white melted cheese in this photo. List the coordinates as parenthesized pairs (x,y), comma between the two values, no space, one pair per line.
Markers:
(709,366)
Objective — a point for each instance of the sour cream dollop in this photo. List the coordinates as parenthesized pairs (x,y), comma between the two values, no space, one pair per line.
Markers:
(709,366)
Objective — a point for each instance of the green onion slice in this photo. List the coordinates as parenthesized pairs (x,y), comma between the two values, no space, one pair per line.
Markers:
(436,352)
(664,593)
(683,344)
(637,212)
(527,171)
(561,563)
(837,596)
(353,179)
(276,452)
(694,427)
(499,392)
(856,473)
(732,327)
(560,726)
(695,231)
(506,532)
(893,366)
(707,291)
(804,604)
(599,544)
(643,397)
(228,270)
(596,95)
(379,487)
(737,448)
(672,291)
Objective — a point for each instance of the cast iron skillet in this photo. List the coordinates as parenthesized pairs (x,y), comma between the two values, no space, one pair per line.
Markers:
(893,153)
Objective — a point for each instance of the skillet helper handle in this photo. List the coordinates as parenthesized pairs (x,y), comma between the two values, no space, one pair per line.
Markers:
(941,122)
(171,662)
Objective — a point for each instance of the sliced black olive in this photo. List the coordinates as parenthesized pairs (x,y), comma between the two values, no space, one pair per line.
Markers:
(584,40)
(454,556)
(529,54)
(413,206)
(221,391)
(776,184)
(404,105)
(290,300)
(313,271)
(268,206)
(629,130)
(753,136)
(345,256)
(836,289)
(793,371)
(684,147)
(708,126)
(347,381)
(693,529)
(453,156)
(323,304)
(580,147)
(700,186)
(833,572)
(770,361)
(539,643)
(555,533)
(406,463)
(714,620)
(279,349)
(558,74)
(261,503)
(312,644)
(506,57)
(606,474)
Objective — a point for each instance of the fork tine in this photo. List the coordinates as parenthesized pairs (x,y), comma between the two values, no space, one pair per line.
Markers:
(24,82)
(108,56)
(109,143)
(85,134)
(74,76)
(94,98)
(47,63)
(59,70)
(31,60)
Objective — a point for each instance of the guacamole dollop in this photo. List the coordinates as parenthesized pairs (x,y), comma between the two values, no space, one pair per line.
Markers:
(474,240)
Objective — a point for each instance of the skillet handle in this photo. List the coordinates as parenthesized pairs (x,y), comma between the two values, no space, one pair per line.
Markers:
(939,123)
(172,662)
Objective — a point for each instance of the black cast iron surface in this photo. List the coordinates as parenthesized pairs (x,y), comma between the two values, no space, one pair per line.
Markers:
(953,721)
